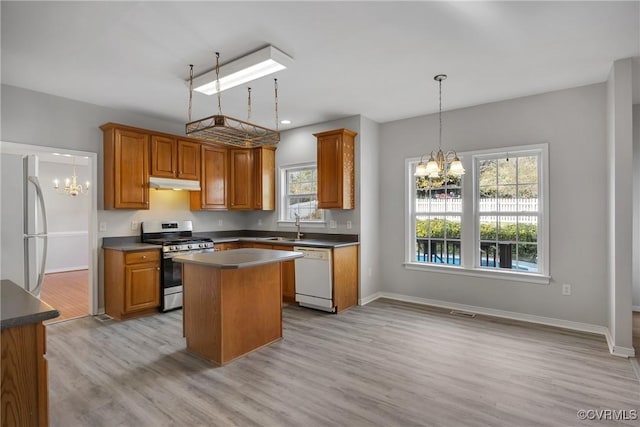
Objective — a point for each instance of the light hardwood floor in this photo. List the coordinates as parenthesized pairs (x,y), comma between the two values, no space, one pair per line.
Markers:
(68,293)
(383,364)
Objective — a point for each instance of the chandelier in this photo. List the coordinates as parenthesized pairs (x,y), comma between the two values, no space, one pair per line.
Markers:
(71,186)
(228,130)
(436,167)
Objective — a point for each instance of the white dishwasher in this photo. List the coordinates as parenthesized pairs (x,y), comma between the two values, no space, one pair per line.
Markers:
(314,287)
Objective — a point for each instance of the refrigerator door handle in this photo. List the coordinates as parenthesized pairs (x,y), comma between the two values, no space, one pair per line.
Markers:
(34,180)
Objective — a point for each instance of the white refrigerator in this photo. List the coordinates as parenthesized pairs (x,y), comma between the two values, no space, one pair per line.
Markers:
(23,227)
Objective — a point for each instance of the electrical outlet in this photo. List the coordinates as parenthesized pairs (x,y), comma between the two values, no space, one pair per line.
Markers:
(102,227)
(333,224)
(220,223)
(134,225)
(259,222)
(348,225)
(566,289)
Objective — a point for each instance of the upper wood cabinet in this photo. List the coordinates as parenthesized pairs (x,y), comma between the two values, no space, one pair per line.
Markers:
(126,167)
(336,156)
(213,182)
(264,178)
(240,179)
(174,158)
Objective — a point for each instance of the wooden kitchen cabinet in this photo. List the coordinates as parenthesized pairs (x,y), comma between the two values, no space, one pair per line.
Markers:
(336,157)
(264,176)
(252,180)
(25,390)
(227,246)
(126,167)
(174,158)
(288,276)
(240,179)
(213,182)
(345,277)
(131,282)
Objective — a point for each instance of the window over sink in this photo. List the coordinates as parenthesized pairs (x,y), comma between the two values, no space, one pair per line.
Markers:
(299,193)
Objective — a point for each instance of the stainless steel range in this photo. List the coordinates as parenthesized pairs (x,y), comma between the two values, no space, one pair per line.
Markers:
(176,238)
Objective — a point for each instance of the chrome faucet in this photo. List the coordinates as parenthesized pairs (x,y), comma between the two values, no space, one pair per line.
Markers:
(299,234)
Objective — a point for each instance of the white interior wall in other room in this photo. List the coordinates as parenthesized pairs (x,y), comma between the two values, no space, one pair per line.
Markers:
(68,218)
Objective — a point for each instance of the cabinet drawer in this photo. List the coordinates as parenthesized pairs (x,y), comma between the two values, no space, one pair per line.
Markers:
(138,257)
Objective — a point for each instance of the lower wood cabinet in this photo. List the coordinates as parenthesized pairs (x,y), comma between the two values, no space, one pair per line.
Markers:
(25,390)
(345,277)
(131,283)
(288,276)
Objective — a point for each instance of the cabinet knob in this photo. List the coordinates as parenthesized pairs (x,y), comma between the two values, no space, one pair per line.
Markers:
(158,268)
(144,257)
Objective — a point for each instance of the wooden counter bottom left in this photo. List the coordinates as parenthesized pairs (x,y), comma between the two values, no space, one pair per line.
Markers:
(231,312)
(25,395)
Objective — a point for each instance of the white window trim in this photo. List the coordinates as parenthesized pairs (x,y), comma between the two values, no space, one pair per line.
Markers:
(470,259)
(282,185)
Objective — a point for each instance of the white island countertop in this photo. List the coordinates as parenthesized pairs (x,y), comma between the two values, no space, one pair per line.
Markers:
(238,258)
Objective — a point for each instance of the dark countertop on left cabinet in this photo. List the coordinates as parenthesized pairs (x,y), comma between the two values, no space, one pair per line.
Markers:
(19,307)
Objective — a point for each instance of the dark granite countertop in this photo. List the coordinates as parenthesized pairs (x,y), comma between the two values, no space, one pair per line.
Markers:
(19,307)
(317,240)
(238,258)
(131,246)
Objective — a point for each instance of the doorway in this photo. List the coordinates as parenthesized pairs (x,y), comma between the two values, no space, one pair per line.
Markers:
(70,281)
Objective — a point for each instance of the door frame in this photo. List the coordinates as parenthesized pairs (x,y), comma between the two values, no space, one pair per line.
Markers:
(92,235)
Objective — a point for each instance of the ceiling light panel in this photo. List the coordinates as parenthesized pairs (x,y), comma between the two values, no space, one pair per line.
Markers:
(250,67)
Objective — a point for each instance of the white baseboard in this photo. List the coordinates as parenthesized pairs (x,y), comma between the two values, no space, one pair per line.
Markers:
(512,315)
(617,350)
(65,269)
(372,297)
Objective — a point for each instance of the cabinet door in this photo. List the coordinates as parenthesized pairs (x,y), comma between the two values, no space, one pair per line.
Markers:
(336,165)
(264,178)
(241,179)
(163,156)
(213,182)
(131,170)
(142,286)
(188,160)
(288,277)
(329,171)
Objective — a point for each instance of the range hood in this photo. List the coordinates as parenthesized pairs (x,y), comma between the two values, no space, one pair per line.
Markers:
(174,184)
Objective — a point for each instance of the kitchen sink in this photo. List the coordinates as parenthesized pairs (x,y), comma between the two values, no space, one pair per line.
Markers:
(281,239)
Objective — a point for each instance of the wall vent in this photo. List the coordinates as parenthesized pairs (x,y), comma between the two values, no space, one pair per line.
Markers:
(462,314)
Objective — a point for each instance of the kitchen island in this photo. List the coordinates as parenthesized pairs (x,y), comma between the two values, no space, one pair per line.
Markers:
(232,302)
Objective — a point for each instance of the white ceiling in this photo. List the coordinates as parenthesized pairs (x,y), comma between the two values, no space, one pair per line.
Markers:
(371,58)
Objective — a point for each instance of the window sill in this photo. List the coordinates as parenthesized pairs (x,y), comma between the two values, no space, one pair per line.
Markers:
(511,276)
(305,224)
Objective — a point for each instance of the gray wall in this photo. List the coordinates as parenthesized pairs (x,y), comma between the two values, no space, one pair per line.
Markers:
(620,198)
(572,121)
(370,243)
(636,206)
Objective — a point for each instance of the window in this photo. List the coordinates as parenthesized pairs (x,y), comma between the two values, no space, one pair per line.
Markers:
(508,210)
(491,221)
(299,190)
(438,220)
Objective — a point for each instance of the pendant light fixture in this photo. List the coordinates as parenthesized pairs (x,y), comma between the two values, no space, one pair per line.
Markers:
(436,167)
(71,186)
